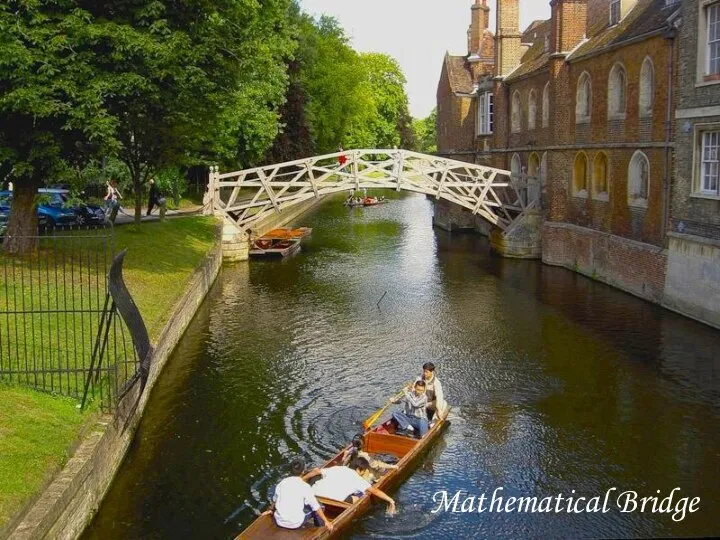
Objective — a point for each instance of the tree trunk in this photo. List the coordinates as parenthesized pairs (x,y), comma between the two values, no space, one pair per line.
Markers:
(137,184)
(22,230)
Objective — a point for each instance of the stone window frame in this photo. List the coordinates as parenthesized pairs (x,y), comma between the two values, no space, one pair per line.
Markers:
(617,92)
(585,79)
(544,173)
(704,77)
(532,110)
(646,98)
(516,112)
(581,193)
(614,12)
(485,109)
(699,132)
(596,194)
(634,195)
(546,106)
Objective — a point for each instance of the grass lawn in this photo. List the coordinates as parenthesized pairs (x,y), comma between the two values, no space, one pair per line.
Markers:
(38,429)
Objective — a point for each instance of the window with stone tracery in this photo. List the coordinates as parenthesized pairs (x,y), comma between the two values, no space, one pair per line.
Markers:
(546,106)
(532,110)
(515,113)
(583,99)
(638,180)
(617,91)
(647,87)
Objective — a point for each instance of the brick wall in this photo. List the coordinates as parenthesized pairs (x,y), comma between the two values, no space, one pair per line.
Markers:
(632,266)
(455,121)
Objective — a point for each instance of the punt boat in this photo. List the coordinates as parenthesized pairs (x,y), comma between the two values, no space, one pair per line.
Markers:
(380,441)
(280,242)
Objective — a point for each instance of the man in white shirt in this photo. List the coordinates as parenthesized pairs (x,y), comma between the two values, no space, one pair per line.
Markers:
(294,502)
(346,484)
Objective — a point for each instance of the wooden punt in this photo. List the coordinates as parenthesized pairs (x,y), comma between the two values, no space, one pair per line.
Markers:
(381,440)
(274,248)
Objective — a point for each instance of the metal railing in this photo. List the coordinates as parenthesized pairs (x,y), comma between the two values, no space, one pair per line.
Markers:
(57,318)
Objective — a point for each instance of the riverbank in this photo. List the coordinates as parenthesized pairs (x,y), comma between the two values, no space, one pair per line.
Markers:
(39,431)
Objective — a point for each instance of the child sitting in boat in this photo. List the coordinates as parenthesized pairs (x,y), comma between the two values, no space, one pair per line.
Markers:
(414,416)
(376,469)
(342,483)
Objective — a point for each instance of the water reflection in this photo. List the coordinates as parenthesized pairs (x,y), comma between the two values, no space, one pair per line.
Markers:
(557,382)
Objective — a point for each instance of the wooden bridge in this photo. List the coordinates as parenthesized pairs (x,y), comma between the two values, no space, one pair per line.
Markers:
(245,198)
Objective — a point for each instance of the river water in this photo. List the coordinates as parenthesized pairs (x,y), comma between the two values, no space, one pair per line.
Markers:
(557,383)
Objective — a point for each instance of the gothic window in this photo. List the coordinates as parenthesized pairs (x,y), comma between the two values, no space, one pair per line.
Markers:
(600,177)
(546,106)
(532,110)
(543,173)
(516,168)
(583,99)
(638,180)
(580,175)
(515,113)
(534,181)
(647,87)
(617,92)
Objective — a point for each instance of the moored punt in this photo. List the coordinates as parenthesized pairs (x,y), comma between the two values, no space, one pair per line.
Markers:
(381,440)
(274,248)
(286,233)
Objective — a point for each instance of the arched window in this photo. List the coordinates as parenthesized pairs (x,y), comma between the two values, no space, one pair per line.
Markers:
(515,113)
(516,167)
(647,87)
(617,91)
(638,180)
(534,181)
(600,177)
(580,175)
(532,110)
(543,173)
(583,98)
(546,106)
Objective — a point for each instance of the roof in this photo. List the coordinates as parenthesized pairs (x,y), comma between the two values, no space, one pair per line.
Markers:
(535,57)
(459,74)
(647,16)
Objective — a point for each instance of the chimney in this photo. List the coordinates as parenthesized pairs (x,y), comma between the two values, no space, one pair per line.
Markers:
(569,24)
(508,51)
(480,22)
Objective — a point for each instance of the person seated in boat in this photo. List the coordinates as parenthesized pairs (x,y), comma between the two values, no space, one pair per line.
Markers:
(436,406)
(414,415)
(343,483)
(294,504)
(377,468)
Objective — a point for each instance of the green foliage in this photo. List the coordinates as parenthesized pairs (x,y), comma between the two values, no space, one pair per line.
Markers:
(337,96)
(172,183)
(425,133)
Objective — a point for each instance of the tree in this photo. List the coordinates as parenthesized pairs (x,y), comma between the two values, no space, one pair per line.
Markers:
(425,133)
(190,81)
(51,108)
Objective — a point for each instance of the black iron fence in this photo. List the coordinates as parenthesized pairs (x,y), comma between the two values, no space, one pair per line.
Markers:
(59,329)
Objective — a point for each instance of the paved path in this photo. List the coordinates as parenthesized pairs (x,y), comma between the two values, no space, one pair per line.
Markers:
(126,216)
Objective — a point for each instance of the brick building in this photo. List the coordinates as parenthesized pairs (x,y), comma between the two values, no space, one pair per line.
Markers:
(458,101)
(692,284)
(584,105)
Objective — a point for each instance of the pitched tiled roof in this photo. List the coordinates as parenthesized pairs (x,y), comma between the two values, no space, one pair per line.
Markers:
(647,16)
(535,57)
(459,74)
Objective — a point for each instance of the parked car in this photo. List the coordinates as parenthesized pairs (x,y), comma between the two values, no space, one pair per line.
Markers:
(4,211)
(84,214)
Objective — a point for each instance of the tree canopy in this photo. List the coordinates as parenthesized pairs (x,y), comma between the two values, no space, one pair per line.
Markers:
(163,84)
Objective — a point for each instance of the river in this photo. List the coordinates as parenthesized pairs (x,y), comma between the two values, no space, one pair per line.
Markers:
(557,382)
